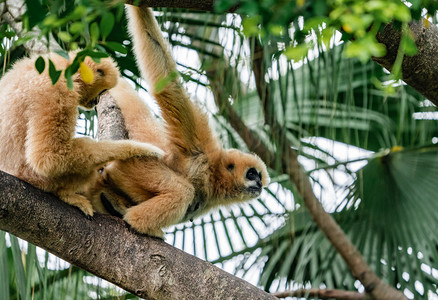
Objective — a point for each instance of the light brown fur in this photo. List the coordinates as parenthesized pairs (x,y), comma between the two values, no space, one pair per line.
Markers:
(196,173)
(37,127)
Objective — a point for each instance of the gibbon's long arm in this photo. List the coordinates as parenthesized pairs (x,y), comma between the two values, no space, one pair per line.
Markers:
(187,125)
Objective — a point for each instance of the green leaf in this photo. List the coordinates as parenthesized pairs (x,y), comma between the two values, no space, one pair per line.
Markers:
(402,13)
(162,83)
(20,275)
(117,47)
(68,73)
(62,53)
(65,36)
(78,12)
(35,12)
(106,24)
(53,73)
(40,64)
(77,28)
(92,54)
(251,26)
(94,32)
(297,53)
(4,272)
(408,44)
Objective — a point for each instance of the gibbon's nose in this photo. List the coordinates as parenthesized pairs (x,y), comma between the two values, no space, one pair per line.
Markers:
(253,175)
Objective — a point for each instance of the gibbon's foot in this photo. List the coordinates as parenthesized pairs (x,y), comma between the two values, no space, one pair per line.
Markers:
(80,202)
(140,224)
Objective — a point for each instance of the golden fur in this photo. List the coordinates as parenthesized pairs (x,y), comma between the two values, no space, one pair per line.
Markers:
(37,127)
(195,174)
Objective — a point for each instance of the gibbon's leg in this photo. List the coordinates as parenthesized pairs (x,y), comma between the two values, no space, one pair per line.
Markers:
(142,178)
(161,211)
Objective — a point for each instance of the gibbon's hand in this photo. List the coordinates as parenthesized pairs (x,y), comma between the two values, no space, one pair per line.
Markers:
(147,150)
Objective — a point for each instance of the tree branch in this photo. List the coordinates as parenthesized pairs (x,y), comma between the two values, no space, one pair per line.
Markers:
(419,71)
(323,294)
(106,247)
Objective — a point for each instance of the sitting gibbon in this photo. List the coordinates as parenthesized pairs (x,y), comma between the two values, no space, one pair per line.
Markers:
(37,128)
(195,174)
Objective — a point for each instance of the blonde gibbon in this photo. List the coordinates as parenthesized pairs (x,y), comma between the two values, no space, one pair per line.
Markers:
(196,174)
(37,128)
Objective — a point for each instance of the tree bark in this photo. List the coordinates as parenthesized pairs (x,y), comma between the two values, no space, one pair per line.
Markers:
(324,294)
(421,70)
(111,125)
(106,247)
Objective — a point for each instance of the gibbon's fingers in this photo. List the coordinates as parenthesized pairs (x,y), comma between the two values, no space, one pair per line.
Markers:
(77,200)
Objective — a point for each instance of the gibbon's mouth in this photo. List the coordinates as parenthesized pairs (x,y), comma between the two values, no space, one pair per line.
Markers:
(254,190)
(109,207)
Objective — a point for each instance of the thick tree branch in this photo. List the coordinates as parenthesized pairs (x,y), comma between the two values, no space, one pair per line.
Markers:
(419,71)
(106,247)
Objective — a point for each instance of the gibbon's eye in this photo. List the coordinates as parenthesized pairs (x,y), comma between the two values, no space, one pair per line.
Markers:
(230,167)
(101,72)
(252,174)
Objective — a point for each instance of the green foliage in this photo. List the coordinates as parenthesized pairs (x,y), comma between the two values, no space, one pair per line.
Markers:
(358,21)
(80,24)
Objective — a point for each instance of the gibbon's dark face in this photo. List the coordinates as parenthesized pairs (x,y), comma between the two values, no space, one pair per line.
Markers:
(105,76)
(241,177)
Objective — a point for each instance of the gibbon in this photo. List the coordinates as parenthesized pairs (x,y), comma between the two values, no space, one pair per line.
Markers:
(196,174)
(37,128)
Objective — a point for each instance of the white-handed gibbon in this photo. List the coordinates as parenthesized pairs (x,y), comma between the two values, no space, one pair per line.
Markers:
(195,174)
(37,128)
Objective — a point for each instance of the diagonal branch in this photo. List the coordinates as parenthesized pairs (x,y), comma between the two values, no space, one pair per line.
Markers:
(290,165)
